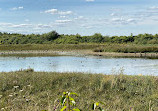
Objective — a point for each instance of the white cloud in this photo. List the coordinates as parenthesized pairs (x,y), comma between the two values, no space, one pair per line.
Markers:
(17,8)
(90,0)
(79,18)
(25,27)
(114,14)
(65,13)
(56,11)
(130,20)
(44,26)
(122,21)
(63,21)
(153,7)
(117,19)
(62,16)
(52,11)
(21,26)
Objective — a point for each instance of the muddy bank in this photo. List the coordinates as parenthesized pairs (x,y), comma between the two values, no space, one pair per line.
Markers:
(77,53)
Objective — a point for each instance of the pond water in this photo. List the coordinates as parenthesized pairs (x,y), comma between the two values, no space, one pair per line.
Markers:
(90,64)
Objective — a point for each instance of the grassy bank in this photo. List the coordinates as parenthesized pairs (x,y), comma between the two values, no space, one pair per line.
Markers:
(55,47)
(107,50)
(35,91)
(127,48)
(120,48)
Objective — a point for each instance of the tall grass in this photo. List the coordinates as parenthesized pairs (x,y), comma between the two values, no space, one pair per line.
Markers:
(127,48)
(35,91)
(48,47)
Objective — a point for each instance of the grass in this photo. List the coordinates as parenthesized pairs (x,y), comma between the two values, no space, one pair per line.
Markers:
(55,47)
(35,91)
(124,48)
(127,48)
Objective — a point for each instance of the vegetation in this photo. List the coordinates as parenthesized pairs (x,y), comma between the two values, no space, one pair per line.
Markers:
(127,48)
(54,37)
(141,43)
(36,91)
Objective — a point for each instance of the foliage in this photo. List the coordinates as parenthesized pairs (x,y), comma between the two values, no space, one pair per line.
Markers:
(127,48)
(54,37)
(27,90)
(67,101)
(96,105)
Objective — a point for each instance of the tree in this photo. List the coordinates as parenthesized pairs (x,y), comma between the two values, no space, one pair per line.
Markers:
(52,35)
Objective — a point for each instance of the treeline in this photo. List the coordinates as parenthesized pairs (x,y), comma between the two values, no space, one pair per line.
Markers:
(54,37)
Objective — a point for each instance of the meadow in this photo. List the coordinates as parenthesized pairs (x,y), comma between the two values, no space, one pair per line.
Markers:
(40,91)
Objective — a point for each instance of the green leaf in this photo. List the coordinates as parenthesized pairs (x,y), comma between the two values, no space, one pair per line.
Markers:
(71,99)
(63,99)
(76,109)
(72,93)
(64,92)
(63,108)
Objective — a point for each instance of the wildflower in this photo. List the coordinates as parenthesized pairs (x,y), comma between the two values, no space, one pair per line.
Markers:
(28,85)
(24,97)
(27,100)
(16,87)
(21,90)
(10,95)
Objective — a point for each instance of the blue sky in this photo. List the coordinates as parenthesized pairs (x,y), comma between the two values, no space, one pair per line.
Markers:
(85,17)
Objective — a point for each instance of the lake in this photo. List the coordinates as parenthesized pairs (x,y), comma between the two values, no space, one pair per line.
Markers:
(90,64)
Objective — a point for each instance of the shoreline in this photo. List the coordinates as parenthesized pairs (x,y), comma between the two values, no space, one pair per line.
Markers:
(77,53)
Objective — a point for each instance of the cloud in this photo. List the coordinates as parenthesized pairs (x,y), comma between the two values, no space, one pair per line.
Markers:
(62,16)
(56,11)
(153,7)
(63,21)
(44,26)
(17,8)
(79,18)
(90,0)
(117,19)
(122,21)
(52,11)
(22,26)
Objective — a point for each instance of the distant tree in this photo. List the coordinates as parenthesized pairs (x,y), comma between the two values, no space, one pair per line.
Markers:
(1,33)
(52,35)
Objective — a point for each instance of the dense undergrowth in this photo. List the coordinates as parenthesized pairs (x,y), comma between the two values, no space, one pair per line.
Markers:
(141,43)
(54,37)
(35,91)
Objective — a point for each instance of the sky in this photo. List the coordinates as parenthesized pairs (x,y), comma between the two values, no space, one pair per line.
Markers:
(84,17)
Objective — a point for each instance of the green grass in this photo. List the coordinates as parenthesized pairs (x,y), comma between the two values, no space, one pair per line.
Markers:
(55,47)
(38,91)
(124,48)
(127,48)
